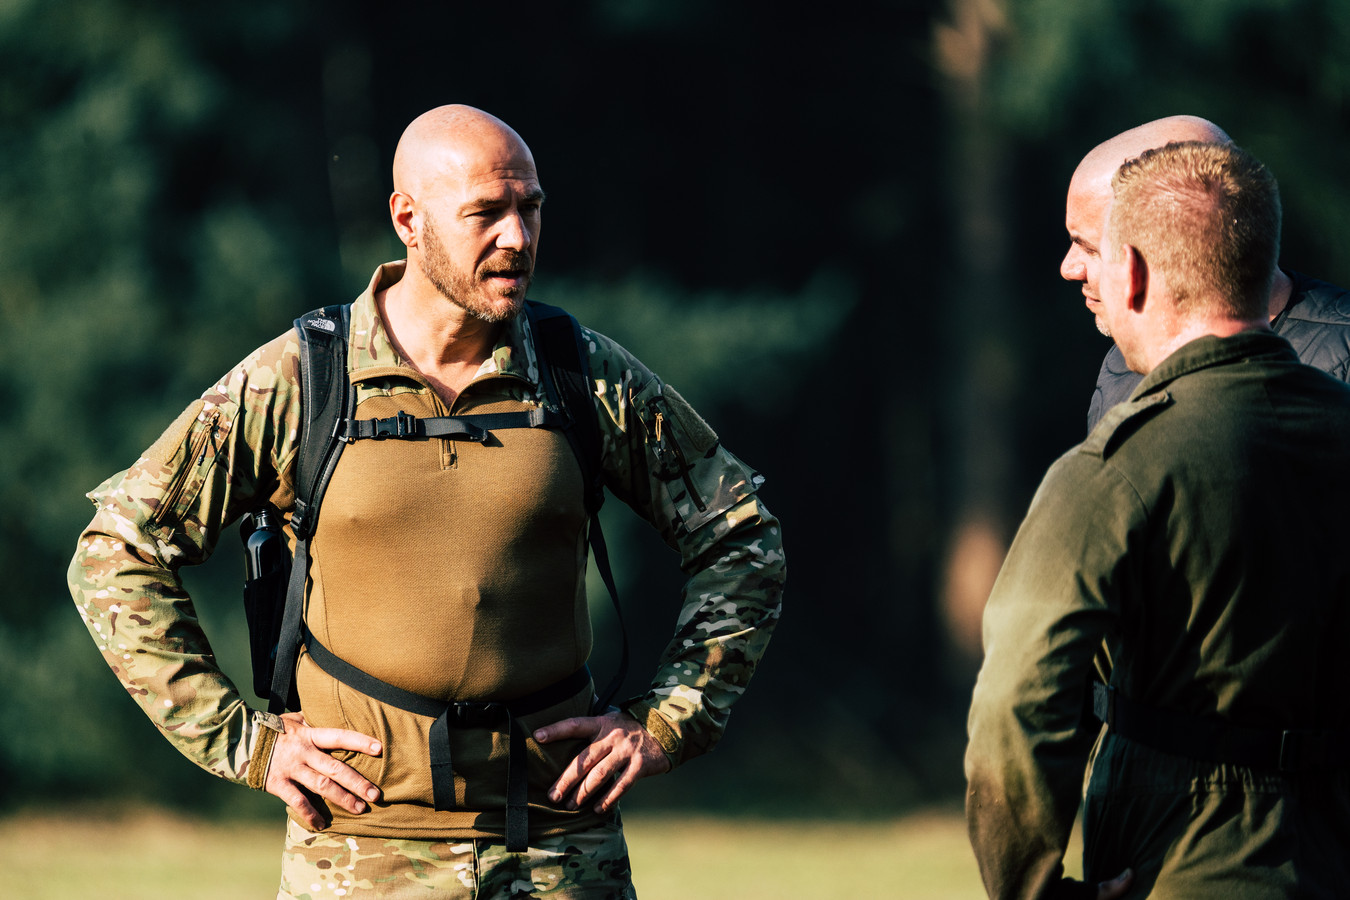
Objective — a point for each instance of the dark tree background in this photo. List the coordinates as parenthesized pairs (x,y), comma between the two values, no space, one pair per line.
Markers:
(837,231)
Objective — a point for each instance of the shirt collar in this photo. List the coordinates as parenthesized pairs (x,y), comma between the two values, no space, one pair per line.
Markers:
(1210,350)
(369,347)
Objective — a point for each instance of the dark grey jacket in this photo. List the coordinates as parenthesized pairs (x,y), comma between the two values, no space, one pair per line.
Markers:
(1316,322)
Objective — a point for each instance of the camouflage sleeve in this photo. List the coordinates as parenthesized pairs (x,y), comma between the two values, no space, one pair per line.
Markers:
(220,458)
(666,463)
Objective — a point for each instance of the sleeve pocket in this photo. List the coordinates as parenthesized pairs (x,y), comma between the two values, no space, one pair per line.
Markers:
(188,449)
(701,479)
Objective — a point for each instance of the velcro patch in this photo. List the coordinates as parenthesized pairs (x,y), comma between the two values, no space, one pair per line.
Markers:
(696,434)
(163,449)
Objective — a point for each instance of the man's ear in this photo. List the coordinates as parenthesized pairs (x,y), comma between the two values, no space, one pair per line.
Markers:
(1138,269)
(403,214)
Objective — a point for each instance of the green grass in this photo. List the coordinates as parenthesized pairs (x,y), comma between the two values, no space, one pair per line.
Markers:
(151,855)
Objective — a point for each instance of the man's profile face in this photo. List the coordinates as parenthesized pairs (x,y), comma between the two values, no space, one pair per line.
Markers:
(480,230)
(1084,213)
(1114,316)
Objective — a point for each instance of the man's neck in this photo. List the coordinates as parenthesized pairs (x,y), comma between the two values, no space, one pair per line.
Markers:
(434,335)
(1207,326)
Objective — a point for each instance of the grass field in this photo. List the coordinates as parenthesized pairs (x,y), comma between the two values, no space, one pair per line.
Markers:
(149,855)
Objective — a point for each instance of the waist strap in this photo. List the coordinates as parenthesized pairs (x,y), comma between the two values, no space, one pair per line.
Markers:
(1213,740)
(463,714)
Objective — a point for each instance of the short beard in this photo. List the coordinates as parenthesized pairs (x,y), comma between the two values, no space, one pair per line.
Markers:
(464,291)
(1102,326)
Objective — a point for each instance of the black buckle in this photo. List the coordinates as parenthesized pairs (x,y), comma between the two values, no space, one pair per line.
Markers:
(475,714)
(399,426)
(472,432)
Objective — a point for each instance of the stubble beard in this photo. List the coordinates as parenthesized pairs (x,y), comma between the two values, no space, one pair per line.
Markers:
(466,291)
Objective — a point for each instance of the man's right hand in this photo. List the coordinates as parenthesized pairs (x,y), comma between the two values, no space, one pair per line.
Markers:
(302,765)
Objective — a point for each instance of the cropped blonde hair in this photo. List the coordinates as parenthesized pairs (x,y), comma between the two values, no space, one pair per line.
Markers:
(1206,217)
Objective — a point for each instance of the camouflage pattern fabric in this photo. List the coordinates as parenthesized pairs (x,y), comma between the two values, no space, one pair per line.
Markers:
(585,865)
(235,449)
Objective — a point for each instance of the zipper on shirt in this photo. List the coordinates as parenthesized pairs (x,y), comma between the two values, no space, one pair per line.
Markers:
(198,450)
(670,456)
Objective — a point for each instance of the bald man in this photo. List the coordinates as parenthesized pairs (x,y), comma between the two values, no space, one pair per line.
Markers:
(450,741)
(1198,532)
(1312,315)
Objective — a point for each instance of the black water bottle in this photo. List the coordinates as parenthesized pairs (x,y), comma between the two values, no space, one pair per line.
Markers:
(264,546)
(267,572)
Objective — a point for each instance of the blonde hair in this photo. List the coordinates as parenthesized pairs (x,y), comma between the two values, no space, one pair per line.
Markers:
(1207,218)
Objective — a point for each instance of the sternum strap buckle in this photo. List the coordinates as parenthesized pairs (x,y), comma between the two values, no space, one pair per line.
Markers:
(402,425)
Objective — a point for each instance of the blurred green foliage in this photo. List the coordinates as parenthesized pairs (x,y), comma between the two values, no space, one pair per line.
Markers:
(758,202)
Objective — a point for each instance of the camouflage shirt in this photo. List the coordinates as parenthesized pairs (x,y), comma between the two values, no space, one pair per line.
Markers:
(236,448)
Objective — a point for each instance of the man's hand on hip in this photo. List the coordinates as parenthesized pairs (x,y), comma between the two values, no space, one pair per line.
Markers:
(301,763)
(619,752)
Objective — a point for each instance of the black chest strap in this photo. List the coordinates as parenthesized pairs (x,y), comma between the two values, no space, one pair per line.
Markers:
(474,427)
(497,715)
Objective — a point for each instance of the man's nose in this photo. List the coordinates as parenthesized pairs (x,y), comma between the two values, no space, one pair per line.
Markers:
(514,234)
(1072,268)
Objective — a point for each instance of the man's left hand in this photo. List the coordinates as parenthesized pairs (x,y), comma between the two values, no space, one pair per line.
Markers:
(619,752)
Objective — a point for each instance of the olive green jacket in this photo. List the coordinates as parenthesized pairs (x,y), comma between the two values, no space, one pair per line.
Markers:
(1201,532)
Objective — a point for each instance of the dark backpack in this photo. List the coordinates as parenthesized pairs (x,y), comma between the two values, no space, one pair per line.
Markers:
(274,591)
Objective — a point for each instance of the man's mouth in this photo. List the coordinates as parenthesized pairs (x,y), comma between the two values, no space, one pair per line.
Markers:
(510,283)
(507,270)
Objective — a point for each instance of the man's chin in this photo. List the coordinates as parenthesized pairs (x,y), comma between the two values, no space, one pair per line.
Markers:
(1102,326)
(490,308)
(502,308)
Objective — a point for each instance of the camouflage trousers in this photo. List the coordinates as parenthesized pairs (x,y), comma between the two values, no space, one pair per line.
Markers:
(585,865)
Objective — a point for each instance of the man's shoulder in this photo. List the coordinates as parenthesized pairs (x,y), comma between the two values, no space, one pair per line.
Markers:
(1121,421)
(596,346)
(1220,404)
(610,360)
(1317,325)
(264,386)
(1314,300)
(277,361)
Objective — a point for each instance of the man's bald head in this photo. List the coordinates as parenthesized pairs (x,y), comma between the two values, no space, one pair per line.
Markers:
(1090,194)
(447,139)
(1101,163)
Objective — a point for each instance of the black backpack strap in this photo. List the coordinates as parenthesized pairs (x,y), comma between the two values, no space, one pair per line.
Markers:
(325,399)
(565,375)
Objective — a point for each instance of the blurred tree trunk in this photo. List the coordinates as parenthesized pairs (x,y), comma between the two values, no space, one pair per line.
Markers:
(976,327)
